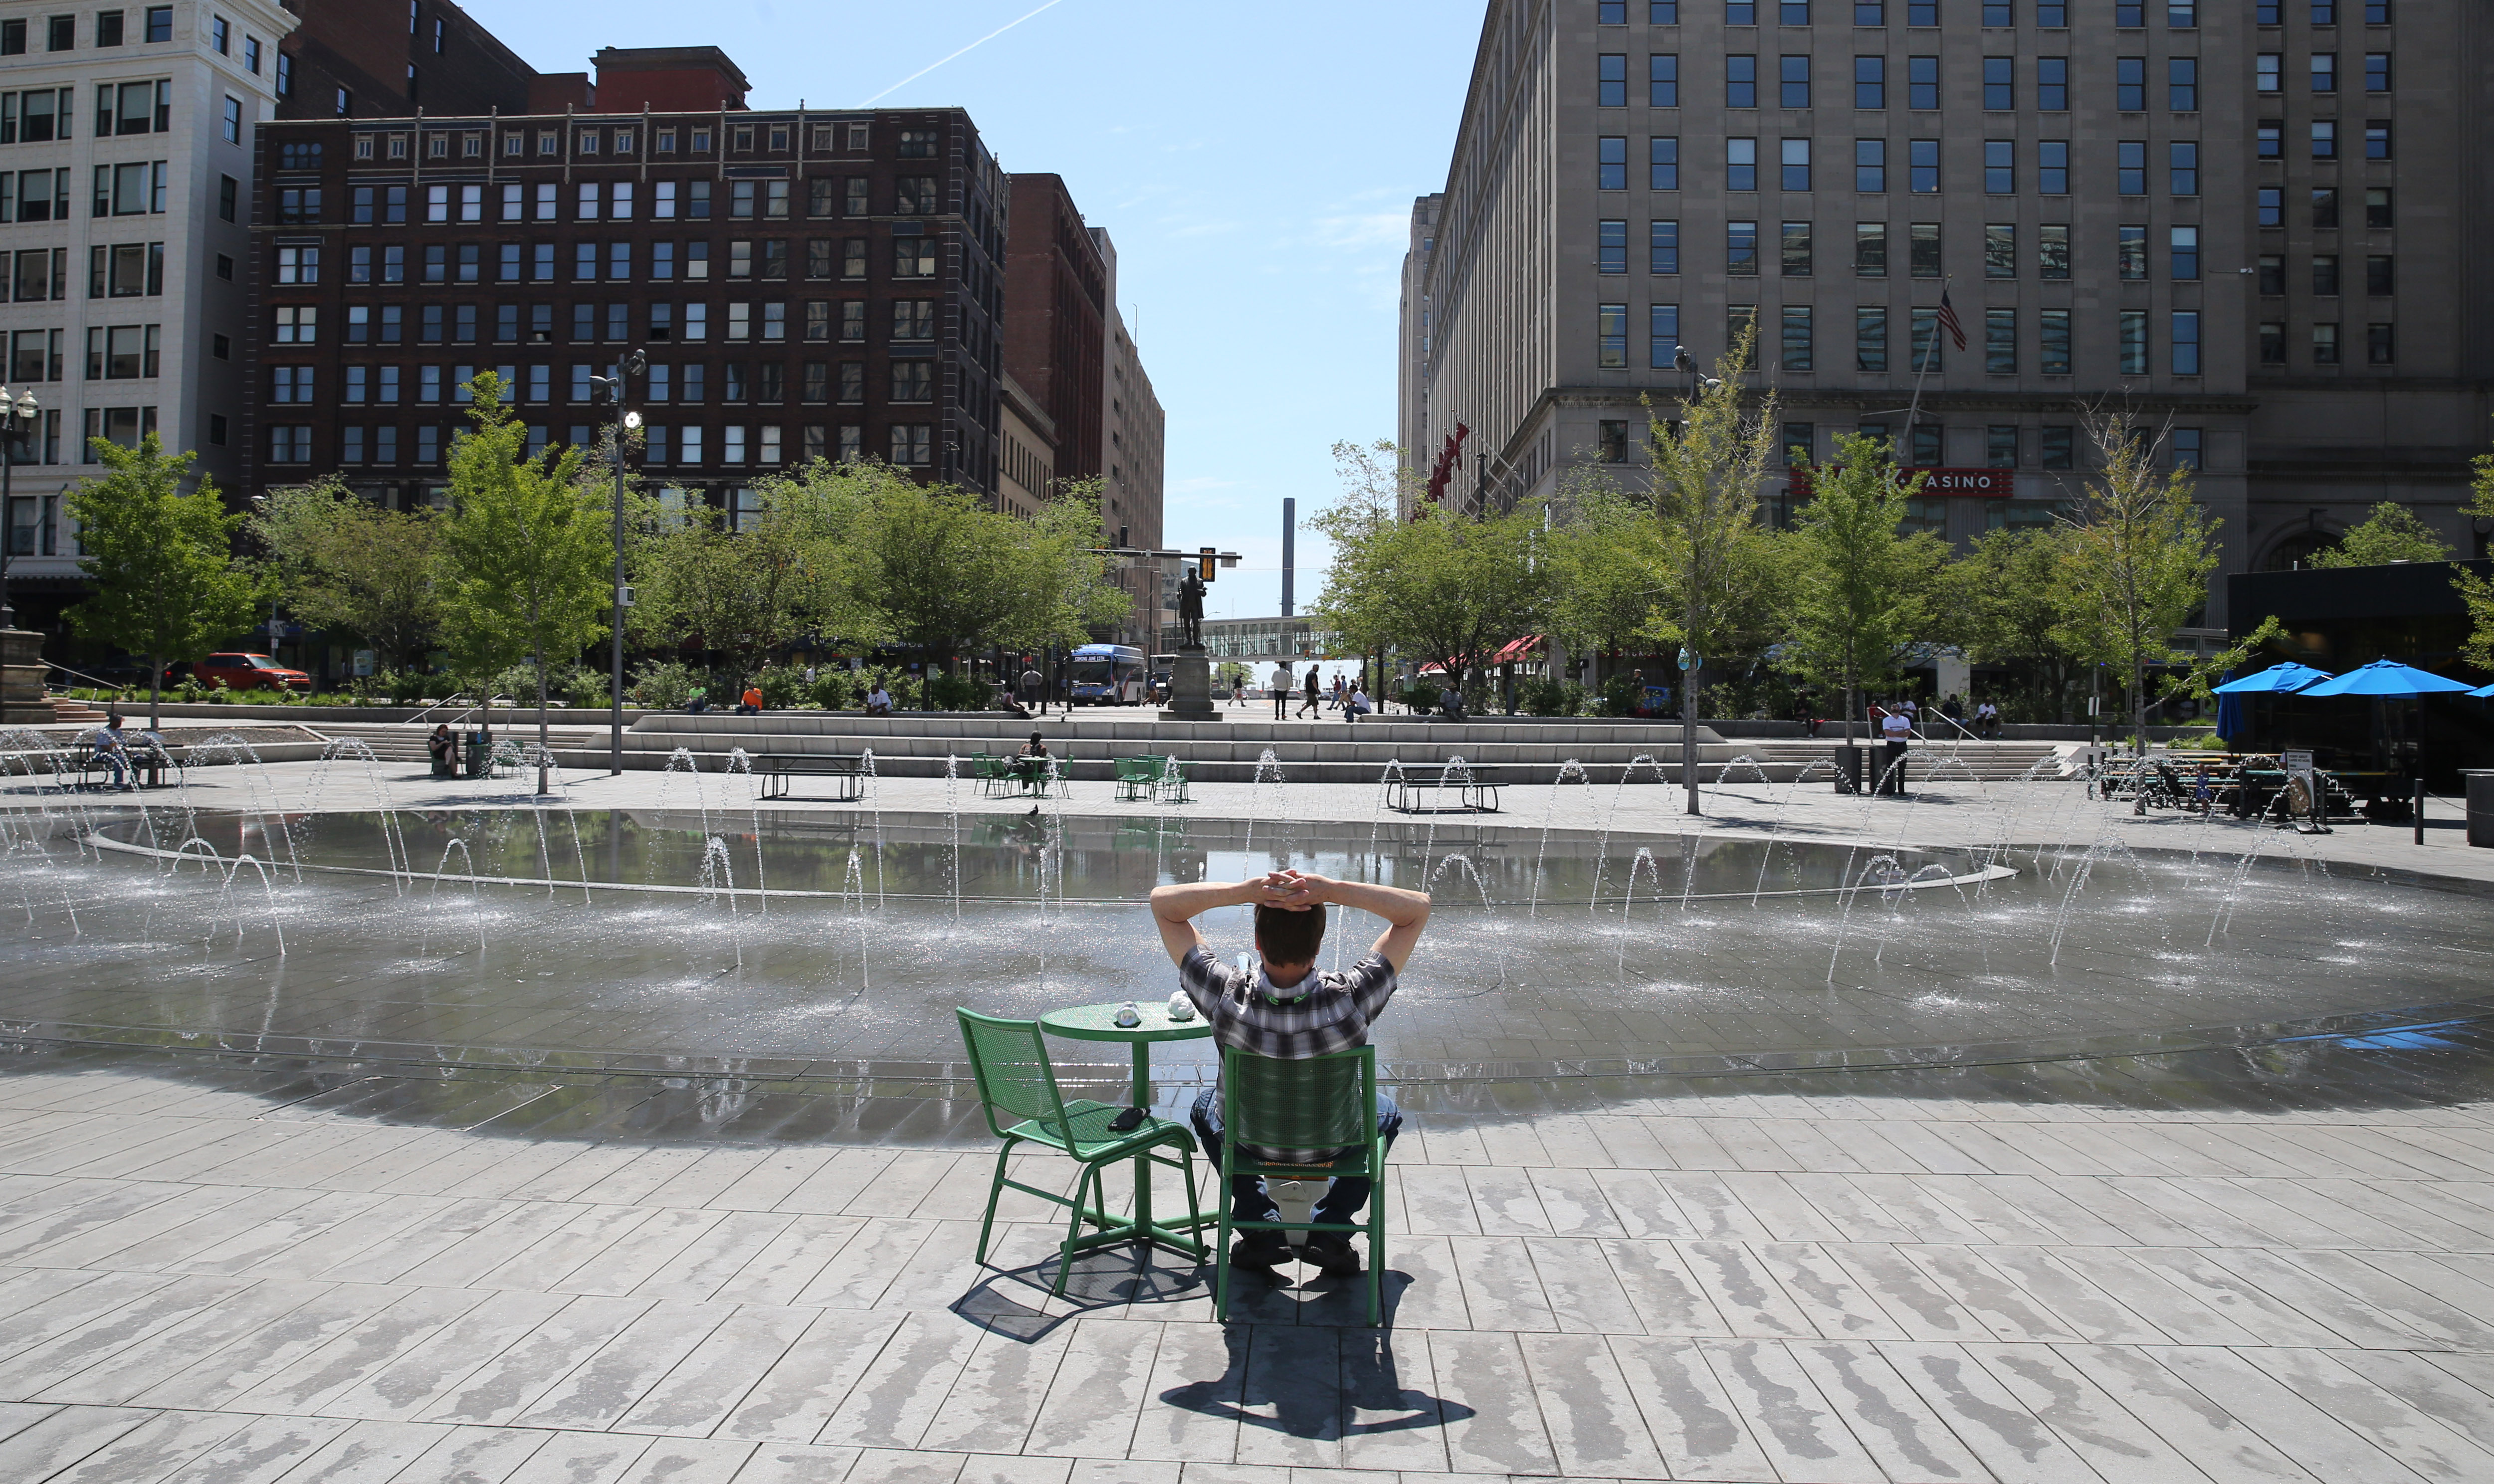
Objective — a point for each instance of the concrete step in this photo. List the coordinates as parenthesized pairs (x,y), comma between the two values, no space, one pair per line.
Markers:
(404,742)
(82,713)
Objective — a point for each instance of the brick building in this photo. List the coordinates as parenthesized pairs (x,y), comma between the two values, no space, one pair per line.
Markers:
(804,283)
(388,58)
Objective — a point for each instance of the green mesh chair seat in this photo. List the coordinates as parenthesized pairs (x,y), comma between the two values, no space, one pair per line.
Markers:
(1135,778)
(1314,1104)
(1023,1106)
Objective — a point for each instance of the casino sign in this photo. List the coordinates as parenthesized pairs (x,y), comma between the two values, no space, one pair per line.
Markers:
(1972,483)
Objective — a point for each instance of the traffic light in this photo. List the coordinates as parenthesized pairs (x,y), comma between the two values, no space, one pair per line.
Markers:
(1207,562)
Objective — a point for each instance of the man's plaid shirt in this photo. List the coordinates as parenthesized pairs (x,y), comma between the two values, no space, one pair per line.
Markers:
(1329,1011)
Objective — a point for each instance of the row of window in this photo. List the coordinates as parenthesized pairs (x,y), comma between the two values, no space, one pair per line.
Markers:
(43,114)
(2378,214)
(136,188)
(623,140)
(2050,165)
(818,320)
(911,445)
(2269,139)
(1994,13)
(689,382)
(616,201)
(111,29)
(126,270)
(764,260)
(2180,15)
(1792,84)
(1792,341)
(1795,250)
(2381,275)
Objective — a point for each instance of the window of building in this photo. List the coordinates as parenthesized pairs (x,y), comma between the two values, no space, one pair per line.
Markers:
(2325,345)
(2000,342)
(1871,164)
(2053,166)
(1923,168)
(1922,249)
(2269,138)
(1611,337)
(1797,348)
(2325,72)
(2377,208)
(1923,451)
(1999,84)
(2129,254)
(1663,246)
(1999,167)
(1663,167)
(2052,85)
(2324,274)
(2133,341)
(2376,139)
(1871,337)
(2271,208)
(1740,81)
(2325,208)
(2377,72)
(1739,164)
(1796,252)
(2271,274)
(1870,82)
(1611,247)
(1662,335)
(2000,446)
(1741,327)
(2130,171)
(1611,81)
(2052,341)
(1741,249)
(2000,250)
(1869,249)
(2324,139)
(1796,164)
(2381,347)
(2182,84)
(2184,250)
(1792,81)
(2056,447)
(2267,72)
(1611,162)
(2184,327)
(1922,84)
(2130,84)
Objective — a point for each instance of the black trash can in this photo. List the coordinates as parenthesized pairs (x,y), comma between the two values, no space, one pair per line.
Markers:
(1848,768)
(2481,807)
(1892,770)
(480,751)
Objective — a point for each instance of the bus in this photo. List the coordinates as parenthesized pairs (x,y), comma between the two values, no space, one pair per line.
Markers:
(1108,675)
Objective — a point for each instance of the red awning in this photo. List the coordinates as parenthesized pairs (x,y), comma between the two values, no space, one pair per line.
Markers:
(1521,649)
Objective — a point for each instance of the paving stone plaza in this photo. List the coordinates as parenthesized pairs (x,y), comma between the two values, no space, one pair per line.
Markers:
(291,1248)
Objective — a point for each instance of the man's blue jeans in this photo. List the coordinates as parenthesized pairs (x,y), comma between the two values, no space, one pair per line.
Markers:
(1249,1202)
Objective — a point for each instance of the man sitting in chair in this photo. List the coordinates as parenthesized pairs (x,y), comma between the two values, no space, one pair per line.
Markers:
(1289,1009)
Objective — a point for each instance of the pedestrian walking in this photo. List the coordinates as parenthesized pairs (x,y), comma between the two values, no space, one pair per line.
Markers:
(1313,692)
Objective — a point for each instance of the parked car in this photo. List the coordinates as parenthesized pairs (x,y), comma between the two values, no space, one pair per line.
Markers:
(248,671)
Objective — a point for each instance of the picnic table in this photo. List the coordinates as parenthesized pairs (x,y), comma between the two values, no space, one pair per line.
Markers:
(1423,788)
(847,772)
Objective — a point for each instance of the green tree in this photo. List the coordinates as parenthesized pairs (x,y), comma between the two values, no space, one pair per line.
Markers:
(2135,566)
(2478,593)
(527,548)
(348,565)
(1718,563)
(2390,534)
(1861,591)
(1442,586)
(2002,604)
(1605,553)
(162,560)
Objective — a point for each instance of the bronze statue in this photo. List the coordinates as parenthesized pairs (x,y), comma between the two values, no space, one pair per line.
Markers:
(1190,609)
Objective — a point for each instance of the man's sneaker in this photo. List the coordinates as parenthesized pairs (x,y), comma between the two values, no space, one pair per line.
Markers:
(1331,1252)
(1263,1250)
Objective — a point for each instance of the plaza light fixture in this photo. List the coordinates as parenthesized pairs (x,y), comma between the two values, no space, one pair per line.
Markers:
(17,420)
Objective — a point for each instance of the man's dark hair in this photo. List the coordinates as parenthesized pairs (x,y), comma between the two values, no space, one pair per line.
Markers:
(1284,936)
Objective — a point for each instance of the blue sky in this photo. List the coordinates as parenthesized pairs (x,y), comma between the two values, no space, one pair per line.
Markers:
(1255,163)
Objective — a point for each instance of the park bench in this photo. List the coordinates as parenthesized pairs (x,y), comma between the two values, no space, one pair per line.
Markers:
(846,771)
(1425,788)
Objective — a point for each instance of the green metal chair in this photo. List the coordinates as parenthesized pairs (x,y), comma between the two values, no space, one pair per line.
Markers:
(1010,1060)
(994,776)
(1136,778)
(1169,776)
(1316,1104)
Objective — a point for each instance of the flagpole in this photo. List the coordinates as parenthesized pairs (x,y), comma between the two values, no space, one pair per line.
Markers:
(1922,369)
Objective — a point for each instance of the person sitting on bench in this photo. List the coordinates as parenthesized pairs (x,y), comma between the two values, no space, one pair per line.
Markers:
(442,746)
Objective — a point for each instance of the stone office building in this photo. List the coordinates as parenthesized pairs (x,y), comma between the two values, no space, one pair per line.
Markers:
(804,284)
(2242,224)
(125,197)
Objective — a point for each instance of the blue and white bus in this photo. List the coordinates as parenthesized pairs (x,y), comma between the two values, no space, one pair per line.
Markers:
(1108,675)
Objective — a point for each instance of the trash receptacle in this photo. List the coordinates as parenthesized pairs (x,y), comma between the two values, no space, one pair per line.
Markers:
(1848,768)
(1892,770)
(480,755)
(2481,807)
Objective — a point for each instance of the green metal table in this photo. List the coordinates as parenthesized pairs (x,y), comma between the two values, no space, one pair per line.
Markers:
(1099,1022)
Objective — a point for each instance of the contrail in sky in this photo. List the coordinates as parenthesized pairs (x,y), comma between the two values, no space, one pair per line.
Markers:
(974,46)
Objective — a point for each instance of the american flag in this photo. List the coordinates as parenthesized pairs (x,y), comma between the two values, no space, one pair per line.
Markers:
(1948,320)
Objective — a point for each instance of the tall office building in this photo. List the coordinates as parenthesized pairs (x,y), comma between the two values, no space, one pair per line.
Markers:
(1131,485)
(804,284)
(125,176)
(2203,217)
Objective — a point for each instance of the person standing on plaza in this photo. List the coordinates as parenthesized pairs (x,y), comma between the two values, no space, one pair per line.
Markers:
(1288,1009)
(1313,692)
(1281,690)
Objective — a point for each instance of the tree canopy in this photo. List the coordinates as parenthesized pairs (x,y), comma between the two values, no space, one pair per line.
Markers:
(2391,532)
(1861,591)
(348,565)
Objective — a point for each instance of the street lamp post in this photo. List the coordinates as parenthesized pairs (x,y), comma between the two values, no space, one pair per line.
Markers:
(632,365)
(16,419)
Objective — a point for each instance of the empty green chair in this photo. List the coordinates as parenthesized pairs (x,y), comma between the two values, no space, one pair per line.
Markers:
(1018,1087)
(1136,778)
(1317,1104)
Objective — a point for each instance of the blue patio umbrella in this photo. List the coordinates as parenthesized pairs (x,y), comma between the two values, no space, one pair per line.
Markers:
(2484,691)
(2276,681)
(2386,678)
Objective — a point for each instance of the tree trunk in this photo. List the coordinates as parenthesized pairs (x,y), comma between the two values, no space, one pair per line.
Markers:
(1688,738)
(155,689)
(542,754)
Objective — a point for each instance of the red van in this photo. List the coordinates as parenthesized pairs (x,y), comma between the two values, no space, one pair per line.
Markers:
(248,671)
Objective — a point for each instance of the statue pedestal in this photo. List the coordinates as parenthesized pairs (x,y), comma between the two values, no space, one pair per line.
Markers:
(23,701)
(1191,687)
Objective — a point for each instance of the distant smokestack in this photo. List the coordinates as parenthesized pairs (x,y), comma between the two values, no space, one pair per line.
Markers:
(1289,553)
